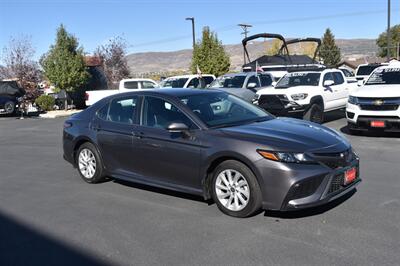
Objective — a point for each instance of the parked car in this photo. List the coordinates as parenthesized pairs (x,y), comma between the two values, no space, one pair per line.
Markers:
(212,144)
(10,92)
(244,85)
(350,76)
(306,94)
(187,81)
(364,70)
(375,105)
(124,86)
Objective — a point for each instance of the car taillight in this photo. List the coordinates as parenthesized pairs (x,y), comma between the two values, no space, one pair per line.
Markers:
(86,96)
(67,124)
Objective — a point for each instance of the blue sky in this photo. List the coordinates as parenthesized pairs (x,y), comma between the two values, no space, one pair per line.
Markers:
(157,25)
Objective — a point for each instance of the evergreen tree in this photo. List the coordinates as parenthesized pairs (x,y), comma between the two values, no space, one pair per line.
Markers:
(329,51)
(395,40)
(64,64)
(209,55)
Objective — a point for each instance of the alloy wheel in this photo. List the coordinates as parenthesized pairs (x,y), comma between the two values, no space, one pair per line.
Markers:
(87,163)
(232,190)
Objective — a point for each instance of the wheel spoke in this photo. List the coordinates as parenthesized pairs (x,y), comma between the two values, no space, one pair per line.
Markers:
(222,187)
(229,175)
(244,192)
(241,199)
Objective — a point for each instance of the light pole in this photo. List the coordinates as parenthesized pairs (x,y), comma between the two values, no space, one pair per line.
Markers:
(245,31)
(388,33)
(193,34)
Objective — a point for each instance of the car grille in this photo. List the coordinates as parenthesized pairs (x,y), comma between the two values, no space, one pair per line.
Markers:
(305,188)
(387,107)
(337,183)
(335,160)
(272,101)
(379,104)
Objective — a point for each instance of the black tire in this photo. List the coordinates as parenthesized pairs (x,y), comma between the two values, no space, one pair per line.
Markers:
(255,197)
(315,114)
(98,175)
(9,107)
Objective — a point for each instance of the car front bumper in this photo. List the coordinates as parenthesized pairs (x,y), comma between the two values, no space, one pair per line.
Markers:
(361,119)
(291,109)
(288,187)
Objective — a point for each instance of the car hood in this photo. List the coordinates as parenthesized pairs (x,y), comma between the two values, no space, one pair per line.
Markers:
(289,134)
(377,91)
(290,90)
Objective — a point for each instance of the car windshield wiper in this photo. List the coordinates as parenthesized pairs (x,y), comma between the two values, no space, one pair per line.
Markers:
(240,123)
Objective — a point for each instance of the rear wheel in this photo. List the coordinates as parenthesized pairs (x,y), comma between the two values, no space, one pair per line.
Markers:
(315,114)
(90,166)
(235,189)
(9,107)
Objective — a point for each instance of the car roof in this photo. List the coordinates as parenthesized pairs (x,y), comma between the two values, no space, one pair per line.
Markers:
(171,92)
(188,76)
(245,74)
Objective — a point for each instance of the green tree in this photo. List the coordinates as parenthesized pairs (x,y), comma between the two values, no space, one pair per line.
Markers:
(395,40)
(209,55)
(274,48)
(329,51)
(64,64)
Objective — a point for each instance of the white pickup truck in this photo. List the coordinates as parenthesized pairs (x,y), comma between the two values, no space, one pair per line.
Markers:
(376,105)
(307,94)
(125,85)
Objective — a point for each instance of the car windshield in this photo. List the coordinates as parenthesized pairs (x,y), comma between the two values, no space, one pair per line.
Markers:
(228,82)
(298,79)
(224,110)
(366,70)
(389,75)
(173,83)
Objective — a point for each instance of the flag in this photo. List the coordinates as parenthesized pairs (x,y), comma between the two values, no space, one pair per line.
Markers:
(258,68)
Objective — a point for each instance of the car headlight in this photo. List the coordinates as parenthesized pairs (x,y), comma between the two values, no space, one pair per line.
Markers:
(286,157)
(299,96)
(353,100)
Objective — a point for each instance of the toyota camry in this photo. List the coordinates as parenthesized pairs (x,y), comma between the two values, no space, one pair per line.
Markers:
(212,144)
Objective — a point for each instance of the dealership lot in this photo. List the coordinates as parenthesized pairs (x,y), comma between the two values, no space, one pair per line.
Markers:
(48,215)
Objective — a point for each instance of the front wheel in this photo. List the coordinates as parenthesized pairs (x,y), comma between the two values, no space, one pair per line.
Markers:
(235,189)
(315,114)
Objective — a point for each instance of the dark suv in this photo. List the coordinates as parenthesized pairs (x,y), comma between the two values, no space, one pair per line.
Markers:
(212,144)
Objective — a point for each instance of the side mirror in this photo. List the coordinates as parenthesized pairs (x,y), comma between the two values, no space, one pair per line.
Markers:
(328,83)
(177,127)
(251,85)
(274,83)
(360,82)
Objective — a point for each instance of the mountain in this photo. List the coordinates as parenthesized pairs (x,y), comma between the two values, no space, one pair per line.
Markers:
(140,63)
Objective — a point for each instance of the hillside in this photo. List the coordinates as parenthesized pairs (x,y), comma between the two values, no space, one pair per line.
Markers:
(180,60)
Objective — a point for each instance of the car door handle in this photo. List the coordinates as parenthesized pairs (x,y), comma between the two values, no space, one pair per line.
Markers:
(95,127)
(138,135)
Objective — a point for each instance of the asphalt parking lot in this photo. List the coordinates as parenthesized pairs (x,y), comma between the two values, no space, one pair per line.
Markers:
(49,216)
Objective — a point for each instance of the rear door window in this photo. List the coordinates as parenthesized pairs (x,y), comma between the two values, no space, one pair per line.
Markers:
(131,85)
(123,110)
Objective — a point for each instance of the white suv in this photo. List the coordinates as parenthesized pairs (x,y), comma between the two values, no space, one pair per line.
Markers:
(306,94)
(375,105)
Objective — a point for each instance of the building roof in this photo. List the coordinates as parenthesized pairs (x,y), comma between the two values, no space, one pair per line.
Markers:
(355,62)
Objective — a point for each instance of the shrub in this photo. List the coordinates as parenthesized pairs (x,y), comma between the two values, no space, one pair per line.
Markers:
(45,102)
